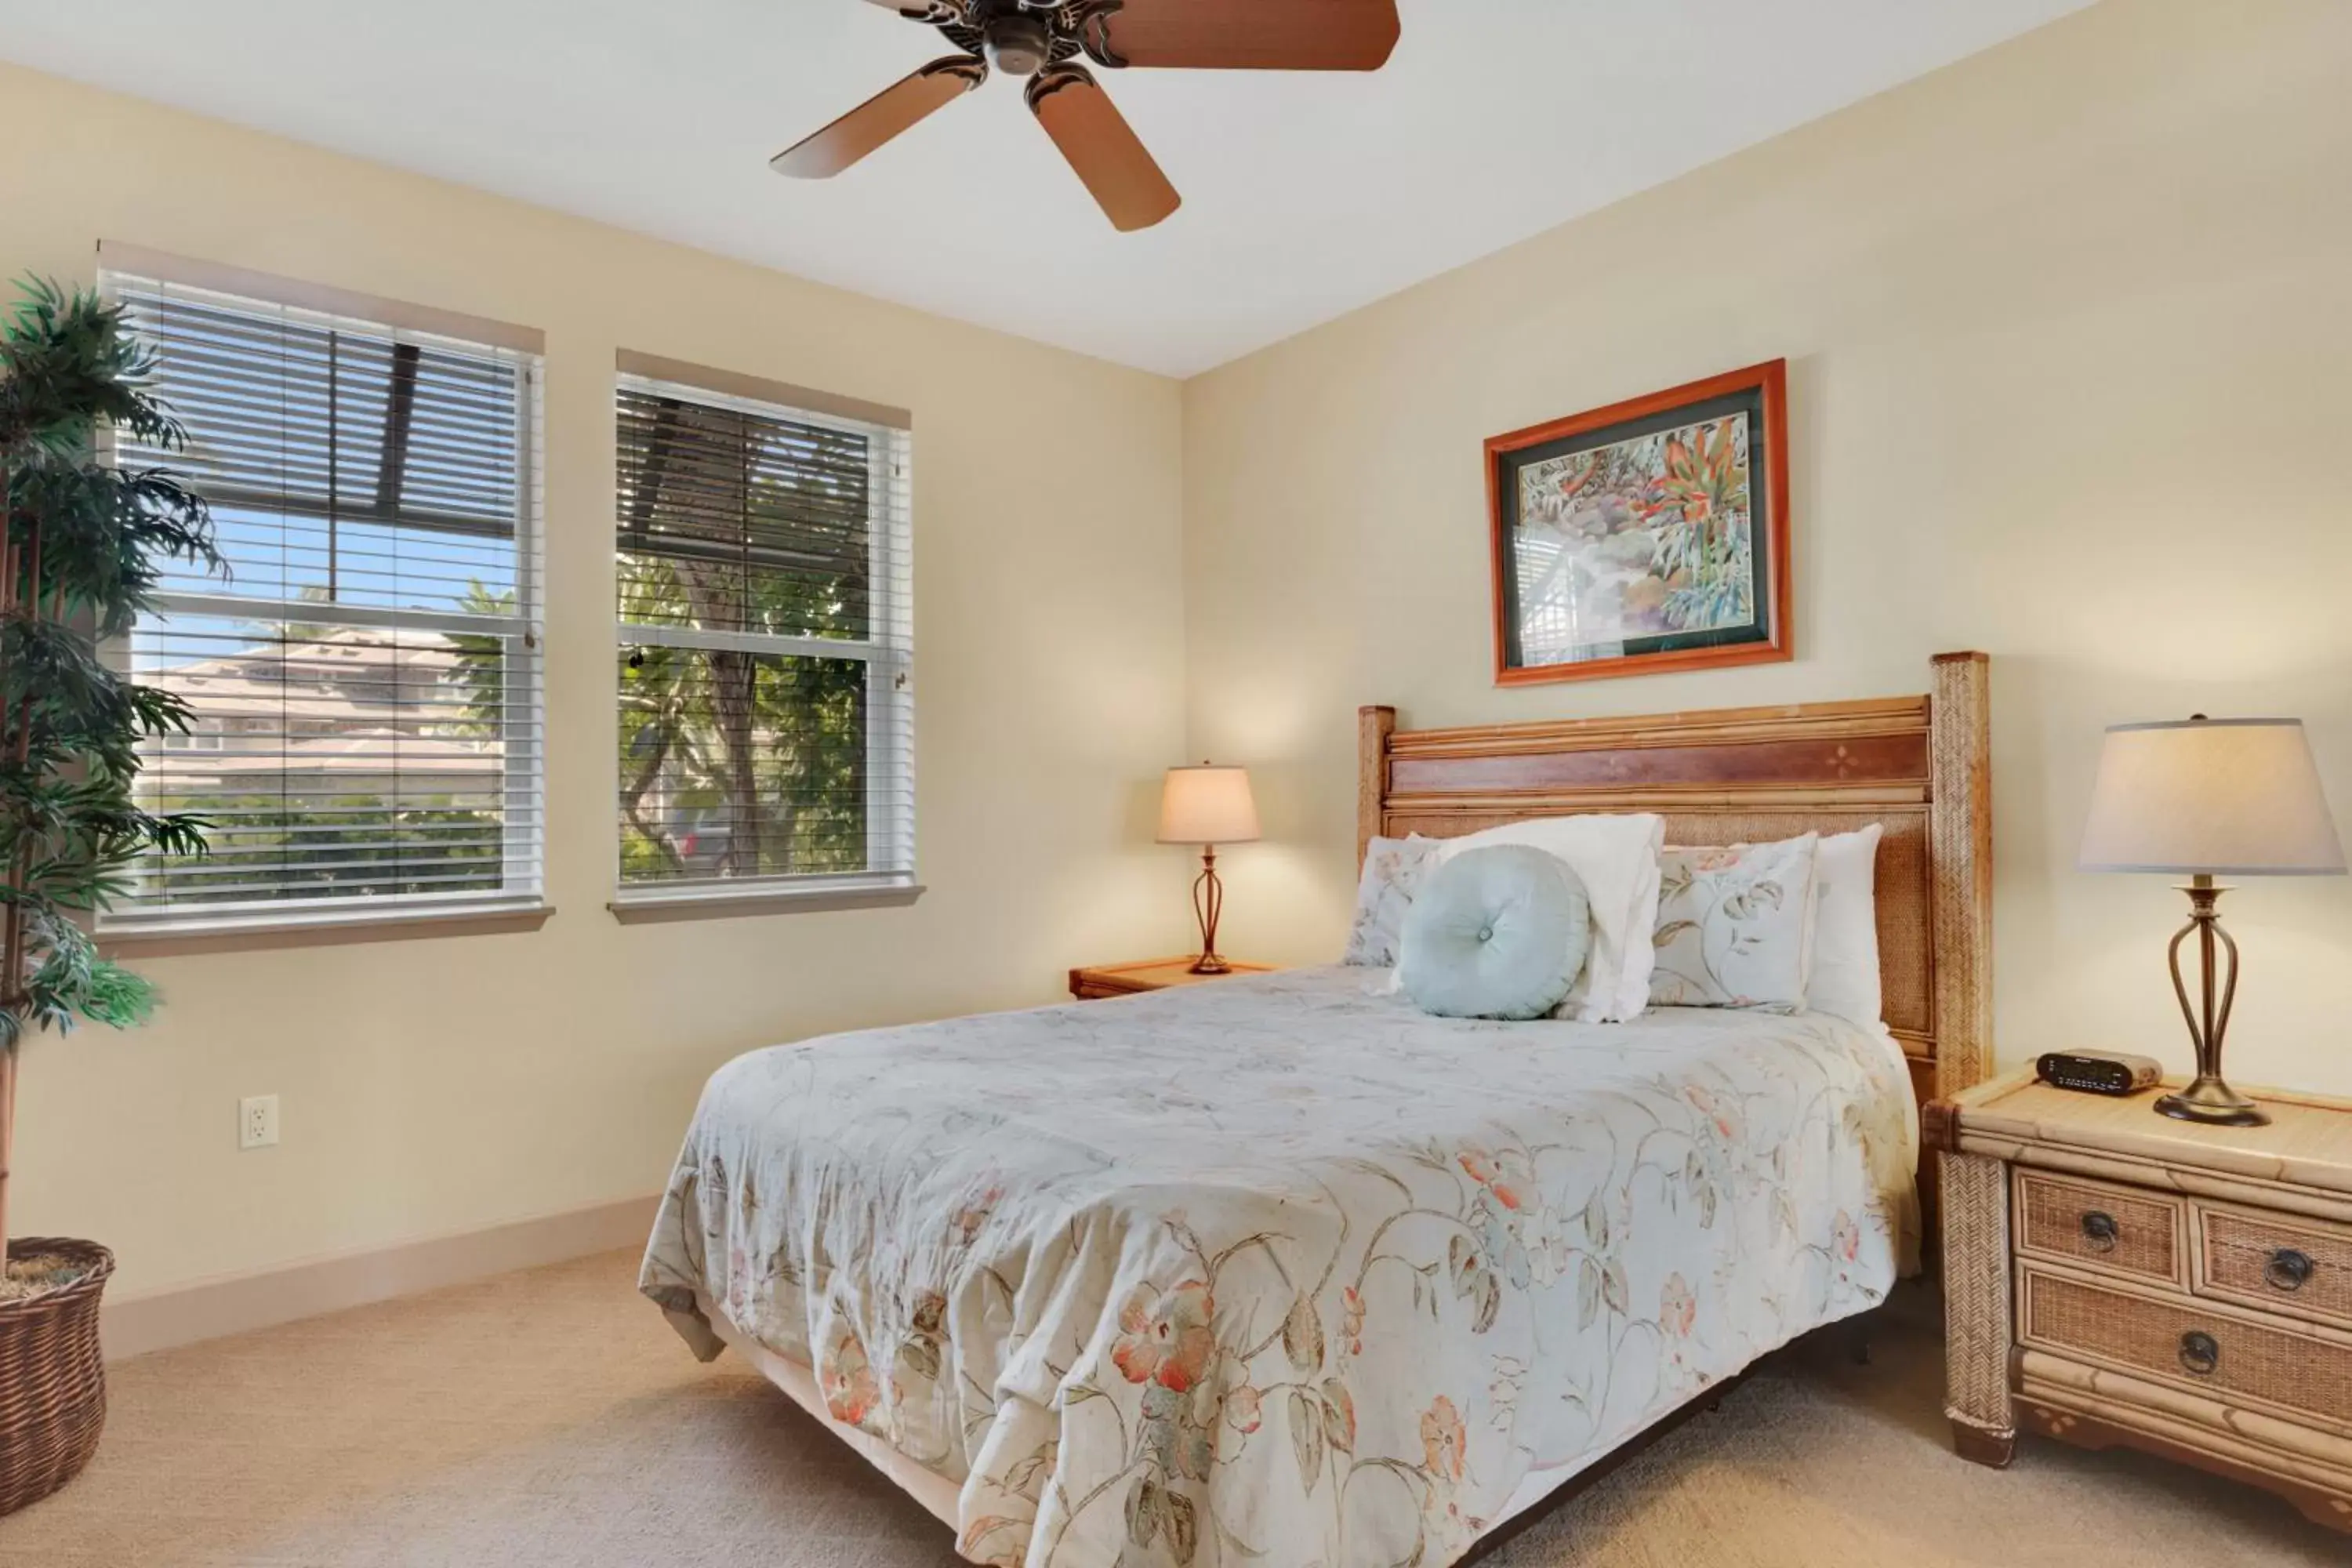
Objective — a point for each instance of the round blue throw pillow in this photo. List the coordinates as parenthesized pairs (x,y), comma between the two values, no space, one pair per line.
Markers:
(1500,933)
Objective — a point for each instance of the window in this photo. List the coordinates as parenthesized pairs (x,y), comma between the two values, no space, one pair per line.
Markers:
(765,648)
(365,676)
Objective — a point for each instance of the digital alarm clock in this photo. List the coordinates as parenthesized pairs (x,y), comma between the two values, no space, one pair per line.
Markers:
(2098,1072)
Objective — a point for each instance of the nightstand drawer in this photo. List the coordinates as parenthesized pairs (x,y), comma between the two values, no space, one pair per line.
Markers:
(2228,1356)
(2284,1264)
(2110,1230)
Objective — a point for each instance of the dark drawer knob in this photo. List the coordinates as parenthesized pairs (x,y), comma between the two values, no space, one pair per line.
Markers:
(2200,1353)
(2100,1229)
(2288,1269)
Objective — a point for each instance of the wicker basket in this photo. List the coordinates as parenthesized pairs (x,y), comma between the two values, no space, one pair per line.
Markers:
(52,1383)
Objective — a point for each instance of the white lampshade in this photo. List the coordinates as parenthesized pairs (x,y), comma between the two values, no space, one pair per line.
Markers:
(2236,797)
(1207,806)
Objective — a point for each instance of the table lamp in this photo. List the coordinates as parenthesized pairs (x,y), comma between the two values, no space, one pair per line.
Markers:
(1208,806)
(2205,798)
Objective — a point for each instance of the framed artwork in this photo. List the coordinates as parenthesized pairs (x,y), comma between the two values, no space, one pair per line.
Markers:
(1650,535)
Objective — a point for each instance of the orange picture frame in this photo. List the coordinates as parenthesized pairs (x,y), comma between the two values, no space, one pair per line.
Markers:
(1759,392)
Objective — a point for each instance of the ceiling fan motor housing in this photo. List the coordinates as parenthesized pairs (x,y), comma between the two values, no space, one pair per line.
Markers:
(1019,44)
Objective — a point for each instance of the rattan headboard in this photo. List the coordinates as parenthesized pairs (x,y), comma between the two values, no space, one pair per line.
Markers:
(1919,764)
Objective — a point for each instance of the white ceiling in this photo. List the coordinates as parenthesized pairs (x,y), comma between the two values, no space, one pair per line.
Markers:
(1306,195)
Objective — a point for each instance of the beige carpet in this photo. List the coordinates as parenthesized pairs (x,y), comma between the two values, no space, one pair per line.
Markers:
(550,1418)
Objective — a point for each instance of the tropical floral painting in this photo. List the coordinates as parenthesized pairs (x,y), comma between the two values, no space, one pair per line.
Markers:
(1637,536)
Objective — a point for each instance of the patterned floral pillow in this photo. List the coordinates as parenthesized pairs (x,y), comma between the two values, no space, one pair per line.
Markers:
(1736,926)
(1393,871)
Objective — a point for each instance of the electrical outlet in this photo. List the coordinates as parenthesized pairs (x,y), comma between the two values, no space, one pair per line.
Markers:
(257,1122)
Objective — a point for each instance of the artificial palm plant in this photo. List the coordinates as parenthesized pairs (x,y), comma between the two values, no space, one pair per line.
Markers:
(83,546)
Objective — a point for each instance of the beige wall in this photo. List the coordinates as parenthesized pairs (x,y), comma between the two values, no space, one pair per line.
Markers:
(432,1086)
(2069,327)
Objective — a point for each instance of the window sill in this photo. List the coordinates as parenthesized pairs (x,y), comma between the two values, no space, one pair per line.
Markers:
(256,933)
(729,903)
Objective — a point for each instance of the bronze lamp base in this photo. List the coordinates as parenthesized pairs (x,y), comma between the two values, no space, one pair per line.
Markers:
(2208,1099)
(1208,905)
(2214,1102)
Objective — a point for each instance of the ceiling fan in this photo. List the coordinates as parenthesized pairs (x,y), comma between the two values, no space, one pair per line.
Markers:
(1042,40)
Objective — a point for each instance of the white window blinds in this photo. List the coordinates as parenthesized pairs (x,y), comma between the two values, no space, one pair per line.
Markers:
(766,655)
(365,679)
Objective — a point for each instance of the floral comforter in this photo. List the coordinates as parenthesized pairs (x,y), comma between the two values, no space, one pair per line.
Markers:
(1280,1270)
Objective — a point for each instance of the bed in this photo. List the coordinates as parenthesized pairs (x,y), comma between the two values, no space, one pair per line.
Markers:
(1282,1269)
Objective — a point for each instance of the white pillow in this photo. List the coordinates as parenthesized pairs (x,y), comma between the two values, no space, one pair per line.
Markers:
(1393,871)
(1617,857)
(1846,928)
(1736,926)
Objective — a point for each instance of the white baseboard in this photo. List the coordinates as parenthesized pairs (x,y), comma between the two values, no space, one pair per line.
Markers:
(238,1303)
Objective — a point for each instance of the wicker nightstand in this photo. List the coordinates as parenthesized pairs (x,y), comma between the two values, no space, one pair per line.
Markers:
(2113,1277)
(1152,974)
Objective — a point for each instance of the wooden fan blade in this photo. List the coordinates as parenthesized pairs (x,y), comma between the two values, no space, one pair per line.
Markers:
(880,118)
(1247,35)
(1126,180)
